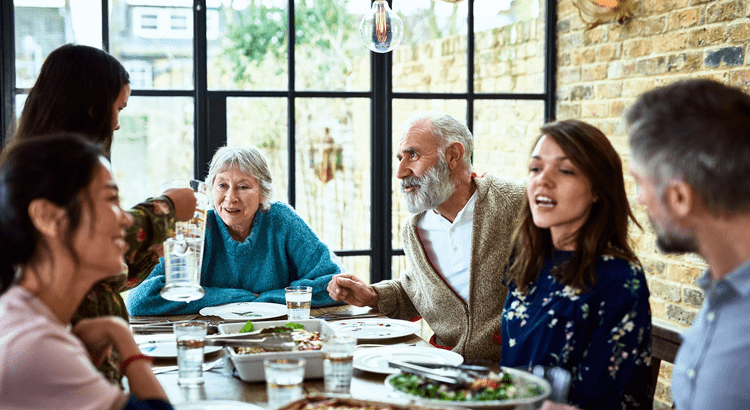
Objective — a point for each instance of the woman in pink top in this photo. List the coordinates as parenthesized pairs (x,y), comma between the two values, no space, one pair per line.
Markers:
(61,231)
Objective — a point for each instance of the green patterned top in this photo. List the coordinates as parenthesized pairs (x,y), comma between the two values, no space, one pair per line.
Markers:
(153,223)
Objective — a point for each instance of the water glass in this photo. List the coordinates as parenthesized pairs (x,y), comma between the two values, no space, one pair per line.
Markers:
(338,363)
(191,338)
(298,299)
(283,380)
(183,253)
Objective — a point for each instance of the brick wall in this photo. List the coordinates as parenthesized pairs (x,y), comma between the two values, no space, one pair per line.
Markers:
(600,73)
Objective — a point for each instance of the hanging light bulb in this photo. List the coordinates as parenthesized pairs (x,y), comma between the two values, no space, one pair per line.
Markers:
(381,29)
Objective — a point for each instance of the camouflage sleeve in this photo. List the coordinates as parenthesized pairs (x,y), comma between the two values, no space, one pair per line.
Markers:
(153,223)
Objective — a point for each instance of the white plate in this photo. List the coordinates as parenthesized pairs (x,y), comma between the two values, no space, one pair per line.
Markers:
(375,359)
(164,346)
(246,311)
(375,328)
(494,404)
(217,405)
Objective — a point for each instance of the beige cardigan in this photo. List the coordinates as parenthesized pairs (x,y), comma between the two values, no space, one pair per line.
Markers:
(473,328)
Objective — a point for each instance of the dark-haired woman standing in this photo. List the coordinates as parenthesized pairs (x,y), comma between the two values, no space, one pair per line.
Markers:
(61,231)
(82,89)
(578,298)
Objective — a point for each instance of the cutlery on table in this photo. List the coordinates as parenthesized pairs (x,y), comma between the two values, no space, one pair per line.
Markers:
(457,379)
(460,367)
(206,367)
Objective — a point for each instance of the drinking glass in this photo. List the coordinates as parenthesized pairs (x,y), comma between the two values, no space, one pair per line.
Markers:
(283,380)
(338,363)
(191,338)
(183,253)
(298,299)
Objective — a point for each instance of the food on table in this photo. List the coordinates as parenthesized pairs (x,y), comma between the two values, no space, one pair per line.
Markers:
(340,403)
(304,339)
(495,387)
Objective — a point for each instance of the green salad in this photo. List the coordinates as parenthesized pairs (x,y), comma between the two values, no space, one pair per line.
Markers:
(494,387)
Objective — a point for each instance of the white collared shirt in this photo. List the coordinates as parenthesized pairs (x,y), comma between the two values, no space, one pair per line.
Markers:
(448,245)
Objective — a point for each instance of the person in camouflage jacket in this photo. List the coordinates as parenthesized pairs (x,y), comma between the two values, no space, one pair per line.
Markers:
(153,223)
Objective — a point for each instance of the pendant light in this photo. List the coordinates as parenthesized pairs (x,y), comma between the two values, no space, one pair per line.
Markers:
(381,29)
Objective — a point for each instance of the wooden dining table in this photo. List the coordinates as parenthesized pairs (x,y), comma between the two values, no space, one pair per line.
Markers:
(221,384)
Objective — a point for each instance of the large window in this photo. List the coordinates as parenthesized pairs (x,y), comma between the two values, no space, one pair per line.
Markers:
(293,78)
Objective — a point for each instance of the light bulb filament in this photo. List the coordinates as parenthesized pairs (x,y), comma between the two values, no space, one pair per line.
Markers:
(381,25)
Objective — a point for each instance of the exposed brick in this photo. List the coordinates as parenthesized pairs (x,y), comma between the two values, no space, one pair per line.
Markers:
(682,273)
(637,48)
(665,370)
(658,308)
(594,72)
(697,2)
(653,26)
(588,55)
(616,108)
(692,297)
(701,37)
(563,59)
(684,62)
(664,6)
(670,41)
(730,56)
(581,92)
(662,405)
(609,90)
(636,87)
(739,33)
(724,11)
(563,26)
(566,111)
(741,79)
(683,18)
(608,52)
(665,290)
(681,314)
(620,69)
(594,36)
(651,66)
(594,110)
(569,75)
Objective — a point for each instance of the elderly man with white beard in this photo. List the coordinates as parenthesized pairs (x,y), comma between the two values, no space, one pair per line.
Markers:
(457,243)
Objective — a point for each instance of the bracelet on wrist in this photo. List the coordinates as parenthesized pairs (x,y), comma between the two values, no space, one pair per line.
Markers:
(125,363)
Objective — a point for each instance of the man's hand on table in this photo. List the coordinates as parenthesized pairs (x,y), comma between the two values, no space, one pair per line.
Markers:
(350,289)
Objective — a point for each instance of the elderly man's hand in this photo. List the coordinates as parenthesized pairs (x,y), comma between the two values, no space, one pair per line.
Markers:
(348,288)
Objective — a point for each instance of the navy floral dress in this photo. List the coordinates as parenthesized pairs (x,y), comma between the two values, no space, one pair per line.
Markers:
(603,336)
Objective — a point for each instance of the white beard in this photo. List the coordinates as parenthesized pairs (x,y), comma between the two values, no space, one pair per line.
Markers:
(431,189)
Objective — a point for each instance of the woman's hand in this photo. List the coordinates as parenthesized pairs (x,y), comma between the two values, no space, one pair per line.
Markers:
(184,202)
(98,335)
(348,288)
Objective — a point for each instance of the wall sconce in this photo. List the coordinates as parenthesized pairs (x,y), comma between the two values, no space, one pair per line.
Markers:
(596,12)
(381,29)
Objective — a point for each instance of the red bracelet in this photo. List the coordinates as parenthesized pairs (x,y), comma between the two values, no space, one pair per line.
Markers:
(125,363)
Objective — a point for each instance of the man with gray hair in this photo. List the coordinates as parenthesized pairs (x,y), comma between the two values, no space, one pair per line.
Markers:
(690,144)
(457,243)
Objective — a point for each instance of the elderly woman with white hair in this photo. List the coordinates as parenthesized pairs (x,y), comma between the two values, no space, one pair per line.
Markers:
(255,247)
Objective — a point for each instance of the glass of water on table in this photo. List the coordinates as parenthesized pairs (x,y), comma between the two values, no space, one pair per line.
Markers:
(283,380)
(298,300)
(191,338)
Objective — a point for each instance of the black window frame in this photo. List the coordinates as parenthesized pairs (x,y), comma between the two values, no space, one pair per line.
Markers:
(210,122)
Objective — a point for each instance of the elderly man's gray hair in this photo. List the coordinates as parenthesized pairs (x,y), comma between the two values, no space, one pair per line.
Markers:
(445,129)
(248,160)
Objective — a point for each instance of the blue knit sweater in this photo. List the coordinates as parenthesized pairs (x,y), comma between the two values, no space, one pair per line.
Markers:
(281,250)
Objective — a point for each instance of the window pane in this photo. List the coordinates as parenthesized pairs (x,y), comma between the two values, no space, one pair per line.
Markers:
(42,26)
(398,265)
(270,135)
(509,46)
(358,266)
(503,134)
(329,53)
(249,49)
(333,169)
(153,145)
(402,110)
(432,54)
(153,42)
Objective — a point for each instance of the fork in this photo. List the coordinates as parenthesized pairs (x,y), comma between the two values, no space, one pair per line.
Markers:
(206,366)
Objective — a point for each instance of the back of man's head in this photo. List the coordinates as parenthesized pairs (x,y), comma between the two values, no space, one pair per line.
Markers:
(697,131)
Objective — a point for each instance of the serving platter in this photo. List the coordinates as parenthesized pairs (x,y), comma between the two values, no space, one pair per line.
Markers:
(244,311)
(164,346)
(374,329)
(375,359)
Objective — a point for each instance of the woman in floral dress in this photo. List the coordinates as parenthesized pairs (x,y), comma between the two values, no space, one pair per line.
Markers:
(578,298)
